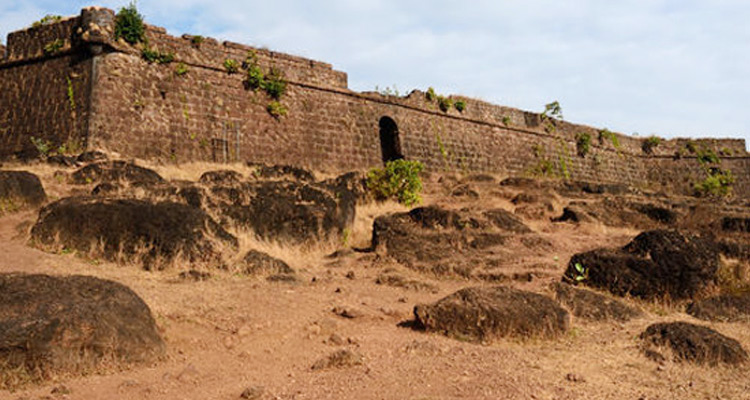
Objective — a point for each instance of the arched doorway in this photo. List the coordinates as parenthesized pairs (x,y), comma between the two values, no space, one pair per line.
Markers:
(389,142)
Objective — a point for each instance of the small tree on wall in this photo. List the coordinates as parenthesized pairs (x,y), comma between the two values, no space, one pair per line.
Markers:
(129,25)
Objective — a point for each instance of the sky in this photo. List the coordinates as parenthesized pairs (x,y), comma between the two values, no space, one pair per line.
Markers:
(672,68)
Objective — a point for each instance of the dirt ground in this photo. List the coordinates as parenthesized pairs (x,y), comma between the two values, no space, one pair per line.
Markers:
(230,333)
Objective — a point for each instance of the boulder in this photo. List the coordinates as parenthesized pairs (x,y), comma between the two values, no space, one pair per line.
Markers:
(91,156)
(593,306)
(20,189)
(284,172)
(691,343)
(259,263)
(68,325)
(723,308)
(735,224)
(115,171)
(154,234)
(656,264)
(485,314)
(287,211)
(221,177)
(446,242)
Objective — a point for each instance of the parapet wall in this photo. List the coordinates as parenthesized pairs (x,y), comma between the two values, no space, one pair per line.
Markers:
(149,110)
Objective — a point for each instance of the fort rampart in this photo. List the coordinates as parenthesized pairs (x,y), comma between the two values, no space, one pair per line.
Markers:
(72,83)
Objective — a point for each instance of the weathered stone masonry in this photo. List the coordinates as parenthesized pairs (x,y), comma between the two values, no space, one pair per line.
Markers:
(100,93)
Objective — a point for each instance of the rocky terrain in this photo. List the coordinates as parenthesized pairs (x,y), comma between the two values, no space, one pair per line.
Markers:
(125,280)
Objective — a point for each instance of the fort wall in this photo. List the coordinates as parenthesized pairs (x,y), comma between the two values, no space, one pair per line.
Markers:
(138,109)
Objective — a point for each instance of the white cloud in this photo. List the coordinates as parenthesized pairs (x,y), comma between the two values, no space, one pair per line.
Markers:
(651,66)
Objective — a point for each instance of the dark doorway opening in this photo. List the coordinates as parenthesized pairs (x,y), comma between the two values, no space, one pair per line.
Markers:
(389,142)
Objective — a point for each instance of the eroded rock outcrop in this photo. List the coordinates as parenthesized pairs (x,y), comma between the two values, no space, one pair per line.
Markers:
(682,341)
(68,325)
(485,314)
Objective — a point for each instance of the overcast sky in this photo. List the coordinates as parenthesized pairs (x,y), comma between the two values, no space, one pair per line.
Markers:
(665,67)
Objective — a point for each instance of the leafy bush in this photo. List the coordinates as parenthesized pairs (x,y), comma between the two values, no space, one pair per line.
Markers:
(460,105)
(605,134)
(444,103)
(155,56)
(255,77)
(276,109)
(181,69)
(274,84)
(650,144)
(552,110)
(54,46)
(707,156)
(430,95)
(231,65)
(399,179)
(129,25)
(583,143)
(196,40)
(718,183)
(46,20)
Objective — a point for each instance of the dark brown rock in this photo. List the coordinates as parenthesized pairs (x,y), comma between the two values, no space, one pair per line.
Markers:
(485,314)
(691,343)
(115,171)
(259,263)
(656,264)
(20,189)
(723,308)
(221,177)
(593,306)
(339,359)
(153,234)
(51,325)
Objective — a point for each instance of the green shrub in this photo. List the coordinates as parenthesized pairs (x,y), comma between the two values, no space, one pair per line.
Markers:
(691,147)
(444,103)
(276,109)
(650,144)
(46,20)
(552,110)
(129,25)
(54,46)
(155,56)
(460,105)
(181,69)
(399,179)
(255,77)
(605,134)
(42,146)
(274,84)
(231,65)
(196,40)
(506,120)
(583,143)
(707,156)
(430,94)
(718,183)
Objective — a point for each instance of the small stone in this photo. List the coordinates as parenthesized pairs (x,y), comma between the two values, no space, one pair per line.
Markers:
(253,393)
(336,339)
(347,312)
(61,390)
(350,275)
(575,378)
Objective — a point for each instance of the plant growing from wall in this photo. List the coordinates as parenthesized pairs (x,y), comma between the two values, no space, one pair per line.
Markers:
(552,110)
(444,103)
(46,20)
(583,143)
(430,95)
(398,180)
(231,65)
(388,91)
(276,109)
(196,40)
(155,56)
(181,69)
(129,25)
(460,105)
(506,120)
(543,167)
(650,144)
(71,95)
(53,46)
(717,182)
(707,156)
(274,84)
(42,146)
(605,134)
